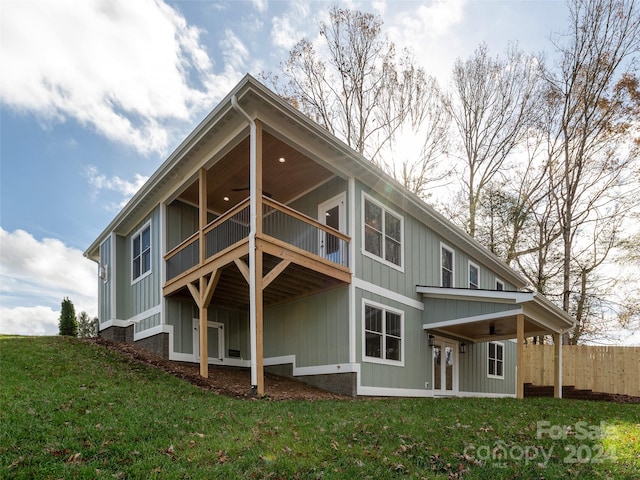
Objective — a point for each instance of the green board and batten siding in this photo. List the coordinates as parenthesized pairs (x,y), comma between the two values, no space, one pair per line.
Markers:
(105,287)
(438,310)
(314,328)
(417,361)
(474,370)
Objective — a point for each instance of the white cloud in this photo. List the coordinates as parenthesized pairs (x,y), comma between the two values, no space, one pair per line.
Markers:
(122,68)
(261,5)
(41,273)
(29,320)
(116,184)
(283,33)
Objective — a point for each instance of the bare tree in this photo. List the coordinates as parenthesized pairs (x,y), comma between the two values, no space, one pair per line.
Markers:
(358,87)
(593,93)
(493,107)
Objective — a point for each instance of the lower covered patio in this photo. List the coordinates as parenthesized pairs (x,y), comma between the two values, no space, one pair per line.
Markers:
(475,316)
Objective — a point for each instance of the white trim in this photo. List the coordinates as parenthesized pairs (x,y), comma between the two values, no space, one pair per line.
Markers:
(444,246)
(393,392)
(390,294)
(363,249)
(486,395)
(151,250)
(313,370)
(474,265)
(340,201)
(501,282)
(115,322)
(494,296)
(146,314)
(495,376)
(473,319)
(150,332)
(384,308)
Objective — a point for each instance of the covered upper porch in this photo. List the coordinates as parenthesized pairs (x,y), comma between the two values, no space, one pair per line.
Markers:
(269,227)
(474,316)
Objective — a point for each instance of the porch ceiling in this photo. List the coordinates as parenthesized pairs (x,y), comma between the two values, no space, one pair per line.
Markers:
(283,181)
(295,281)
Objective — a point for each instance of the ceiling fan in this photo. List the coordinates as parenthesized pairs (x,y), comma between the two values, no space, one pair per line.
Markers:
(244,189)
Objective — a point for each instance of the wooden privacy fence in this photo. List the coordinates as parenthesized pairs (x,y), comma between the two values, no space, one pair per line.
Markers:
(600,369)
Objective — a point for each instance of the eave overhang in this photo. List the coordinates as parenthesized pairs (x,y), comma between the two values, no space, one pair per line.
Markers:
(541,316)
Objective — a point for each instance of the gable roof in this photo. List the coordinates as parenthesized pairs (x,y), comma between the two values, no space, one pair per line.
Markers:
(345,160)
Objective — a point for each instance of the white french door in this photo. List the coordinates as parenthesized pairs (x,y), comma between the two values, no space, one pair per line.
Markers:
(215,339)
(445,367)
(332,214)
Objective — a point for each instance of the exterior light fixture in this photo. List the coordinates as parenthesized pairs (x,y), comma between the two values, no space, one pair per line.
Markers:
(463,347)
(226,199)
(432,341)
(282,160)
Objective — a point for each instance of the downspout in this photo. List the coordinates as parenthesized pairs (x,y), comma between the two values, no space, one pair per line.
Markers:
(253,214)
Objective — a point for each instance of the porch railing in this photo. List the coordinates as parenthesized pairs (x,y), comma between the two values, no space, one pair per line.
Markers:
(278,221)
(306,233)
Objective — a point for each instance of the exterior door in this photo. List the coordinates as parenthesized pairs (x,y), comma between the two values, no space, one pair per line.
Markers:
(445,368)
(332,214)
(215,338)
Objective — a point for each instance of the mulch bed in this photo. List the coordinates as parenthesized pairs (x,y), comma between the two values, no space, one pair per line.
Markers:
(236,381)
(230,381)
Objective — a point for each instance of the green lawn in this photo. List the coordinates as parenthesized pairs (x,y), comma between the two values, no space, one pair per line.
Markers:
(71,409)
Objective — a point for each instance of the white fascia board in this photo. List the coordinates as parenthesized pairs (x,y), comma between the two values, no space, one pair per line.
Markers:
(545,304)
(477,318)
(496,296)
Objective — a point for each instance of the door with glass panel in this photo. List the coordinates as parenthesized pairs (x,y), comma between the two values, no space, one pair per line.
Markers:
(332,214)
(445,368)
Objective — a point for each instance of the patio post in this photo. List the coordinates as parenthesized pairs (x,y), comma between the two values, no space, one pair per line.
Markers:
(520,354)
(557,364)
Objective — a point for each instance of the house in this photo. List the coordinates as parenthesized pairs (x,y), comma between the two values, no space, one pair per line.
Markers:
(265,242)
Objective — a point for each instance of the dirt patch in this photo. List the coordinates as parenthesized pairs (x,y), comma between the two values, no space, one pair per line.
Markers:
(231,381)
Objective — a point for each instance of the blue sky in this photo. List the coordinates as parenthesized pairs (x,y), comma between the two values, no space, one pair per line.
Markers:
(94,95)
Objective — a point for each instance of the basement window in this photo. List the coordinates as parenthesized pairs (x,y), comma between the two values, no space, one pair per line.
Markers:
(495,360)
(383,334)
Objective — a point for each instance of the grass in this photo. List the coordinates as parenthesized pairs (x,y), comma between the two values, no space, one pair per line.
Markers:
(71,409)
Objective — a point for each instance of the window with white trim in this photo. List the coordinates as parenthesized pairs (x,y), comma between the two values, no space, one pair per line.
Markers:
(382,232)
(447,259)
(495,360)
(383,334)
(141,253)
(499,285)
(474,276)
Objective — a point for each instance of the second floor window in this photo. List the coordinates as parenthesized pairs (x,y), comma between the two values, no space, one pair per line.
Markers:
(141,253)
(382,233)
(446,265)
(474,276)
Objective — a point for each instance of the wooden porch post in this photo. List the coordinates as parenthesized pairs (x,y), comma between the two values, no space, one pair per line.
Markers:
(520,354)
(258,265)
(557,365)
(202,210)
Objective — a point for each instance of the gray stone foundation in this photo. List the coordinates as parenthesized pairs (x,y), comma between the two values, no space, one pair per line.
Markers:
(118,334)
(340,383)
(158,344)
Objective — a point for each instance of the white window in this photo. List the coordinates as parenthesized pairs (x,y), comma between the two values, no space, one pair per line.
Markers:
(447,262)
(383,334)
(495,360)
(499,285)
(474,276)
(382,233)
(141,253)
